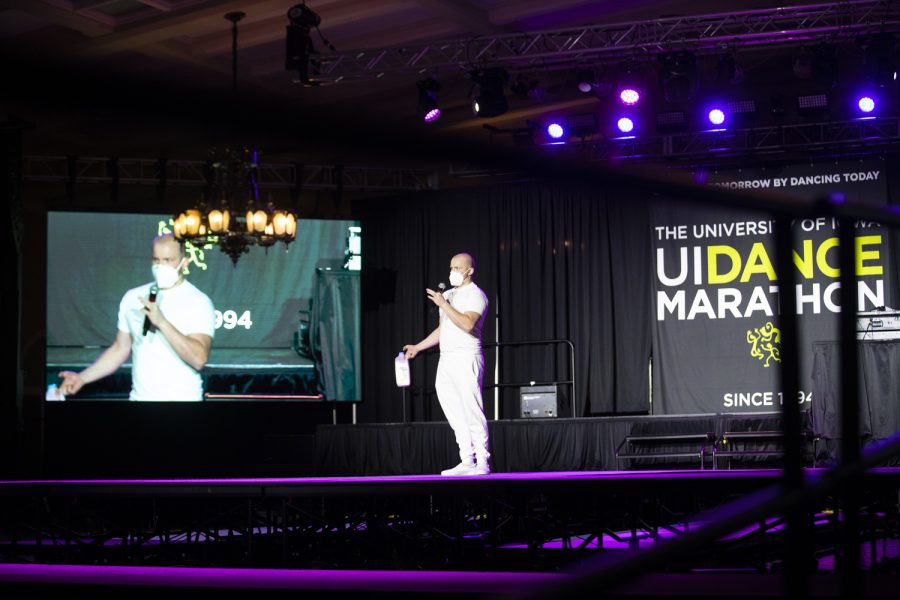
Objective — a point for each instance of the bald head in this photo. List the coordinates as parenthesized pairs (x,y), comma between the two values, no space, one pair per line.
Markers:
(466,259)
(165,239)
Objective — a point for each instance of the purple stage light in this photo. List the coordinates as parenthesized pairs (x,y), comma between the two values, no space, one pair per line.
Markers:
(432,115)
(625,125)
(629,96)
(866,104)
(555,130)
(716,116)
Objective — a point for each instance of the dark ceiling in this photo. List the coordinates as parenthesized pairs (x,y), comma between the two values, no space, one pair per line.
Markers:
(150,78)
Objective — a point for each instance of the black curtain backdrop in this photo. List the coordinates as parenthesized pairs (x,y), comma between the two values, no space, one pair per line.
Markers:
(556,262)
(334,333)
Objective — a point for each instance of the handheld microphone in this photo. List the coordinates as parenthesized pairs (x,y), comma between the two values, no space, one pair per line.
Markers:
(441,288)
(154,289)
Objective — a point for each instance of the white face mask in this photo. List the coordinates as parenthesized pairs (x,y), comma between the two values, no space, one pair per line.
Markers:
(165,275)
(456,278)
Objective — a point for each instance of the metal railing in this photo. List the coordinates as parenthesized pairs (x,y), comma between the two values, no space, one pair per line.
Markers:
(421,390)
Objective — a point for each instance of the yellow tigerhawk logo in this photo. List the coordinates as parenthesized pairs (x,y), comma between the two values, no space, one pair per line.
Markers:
(765,343)
(195,255)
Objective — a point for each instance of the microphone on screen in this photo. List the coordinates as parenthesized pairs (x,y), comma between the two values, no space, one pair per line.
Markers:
(154,290)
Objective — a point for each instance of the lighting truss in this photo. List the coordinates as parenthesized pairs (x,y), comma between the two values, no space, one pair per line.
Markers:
(860,136)
(141,171)
(565,48)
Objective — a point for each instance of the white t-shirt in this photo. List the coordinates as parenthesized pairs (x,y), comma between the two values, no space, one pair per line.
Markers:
(468,298)
(157,372)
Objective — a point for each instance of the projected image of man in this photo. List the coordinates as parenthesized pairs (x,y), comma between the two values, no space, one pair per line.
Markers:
(461,366)
(167,328)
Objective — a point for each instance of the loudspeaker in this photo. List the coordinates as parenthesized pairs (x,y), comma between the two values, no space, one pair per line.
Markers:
(537,401)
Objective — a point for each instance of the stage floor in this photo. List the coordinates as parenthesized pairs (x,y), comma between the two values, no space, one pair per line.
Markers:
(741,480)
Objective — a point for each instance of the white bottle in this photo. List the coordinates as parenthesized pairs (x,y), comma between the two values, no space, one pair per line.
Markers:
(401,370)
(53,392)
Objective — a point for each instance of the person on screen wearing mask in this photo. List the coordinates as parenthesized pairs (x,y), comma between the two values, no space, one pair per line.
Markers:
(461,365)
(167,359)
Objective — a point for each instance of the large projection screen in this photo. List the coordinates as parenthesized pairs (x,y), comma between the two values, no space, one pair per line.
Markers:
(287,321)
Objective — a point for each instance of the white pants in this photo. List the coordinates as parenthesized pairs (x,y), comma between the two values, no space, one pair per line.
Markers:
(458,386)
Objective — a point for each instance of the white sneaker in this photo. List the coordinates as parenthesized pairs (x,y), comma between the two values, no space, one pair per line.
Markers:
(461,469)
(481,469)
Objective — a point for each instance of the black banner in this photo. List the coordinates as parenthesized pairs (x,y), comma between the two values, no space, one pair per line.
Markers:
(716,342)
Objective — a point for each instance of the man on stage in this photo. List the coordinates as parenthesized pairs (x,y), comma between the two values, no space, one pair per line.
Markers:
(459,372)
(167,326)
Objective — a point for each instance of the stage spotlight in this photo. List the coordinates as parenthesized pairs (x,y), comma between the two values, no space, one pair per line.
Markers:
(432,115)
(716,116)
(812,105)
(582,125)
(491,100)
(555,131)
(741,111)
(629,88)
(742,107)
(866,104)
(629,96)
(586,80)
(878,66)
(677,75)
(625,125)
(298,45)
(298,48)
(428,108)
(303,16)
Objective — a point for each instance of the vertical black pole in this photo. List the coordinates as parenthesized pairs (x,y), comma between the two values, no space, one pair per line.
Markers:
(849,538)
(404,404)
(12,232)
(797,556)
(234,17)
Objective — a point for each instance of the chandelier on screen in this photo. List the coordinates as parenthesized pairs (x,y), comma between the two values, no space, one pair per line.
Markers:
(230,212)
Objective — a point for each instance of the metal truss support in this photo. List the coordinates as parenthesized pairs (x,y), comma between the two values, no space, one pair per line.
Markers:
(566,48)
(511,529)
(142,171)
(863,136)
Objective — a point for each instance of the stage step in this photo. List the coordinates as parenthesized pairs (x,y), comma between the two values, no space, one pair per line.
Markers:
(666,446)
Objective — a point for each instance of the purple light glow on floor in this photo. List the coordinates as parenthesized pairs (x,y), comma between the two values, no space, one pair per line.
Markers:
(407,581)
(885,549)
(622,540)
(518,476)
